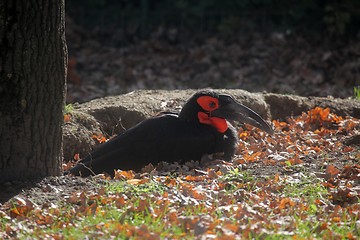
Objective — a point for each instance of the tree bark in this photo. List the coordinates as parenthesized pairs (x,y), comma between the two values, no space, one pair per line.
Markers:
(33,60)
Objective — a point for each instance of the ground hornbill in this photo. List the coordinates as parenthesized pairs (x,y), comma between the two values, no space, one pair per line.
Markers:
(200,128)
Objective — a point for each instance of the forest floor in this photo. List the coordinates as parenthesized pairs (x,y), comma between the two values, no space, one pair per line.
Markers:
(303,182)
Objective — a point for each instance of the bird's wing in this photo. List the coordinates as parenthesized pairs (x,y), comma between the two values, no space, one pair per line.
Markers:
(163,138)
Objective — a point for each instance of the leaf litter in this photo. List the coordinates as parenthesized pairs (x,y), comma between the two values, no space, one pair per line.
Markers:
(301,183)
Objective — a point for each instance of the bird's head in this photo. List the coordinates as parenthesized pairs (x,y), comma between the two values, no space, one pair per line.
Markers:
(209,107)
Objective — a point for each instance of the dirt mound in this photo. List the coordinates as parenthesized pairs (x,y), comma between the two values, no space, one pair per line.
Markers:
(112,115)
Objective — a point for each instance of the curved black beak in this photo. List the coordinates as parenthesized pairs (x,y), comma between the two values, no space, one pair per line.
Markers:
(231,109)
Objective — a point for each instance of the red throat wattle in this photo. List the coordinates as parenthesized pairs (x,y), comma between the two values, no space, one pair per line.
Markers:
(219,123)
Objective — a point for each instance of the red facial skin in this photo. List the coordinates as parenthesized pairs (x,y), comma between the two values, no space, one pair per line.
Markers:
(210,104)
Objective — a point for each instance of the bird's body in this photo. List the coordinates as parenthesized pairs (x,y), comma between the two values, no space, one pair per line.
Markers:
(163,138)
(169,137)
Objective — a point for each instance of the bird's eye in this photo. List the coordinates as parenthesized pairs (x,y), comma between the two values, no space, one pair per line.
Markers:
(212,105)
(208,103)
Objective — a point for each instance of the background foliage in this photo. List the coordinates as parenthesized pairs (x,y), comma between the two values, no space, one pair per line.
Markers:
(142,17)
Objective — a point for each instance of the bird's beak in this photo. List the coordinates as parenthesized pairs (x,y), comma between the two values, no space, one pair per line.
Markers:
(230,109)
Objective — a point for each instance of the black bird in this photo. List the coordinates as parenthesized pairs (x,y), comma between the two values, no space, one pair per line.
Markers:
(200,128)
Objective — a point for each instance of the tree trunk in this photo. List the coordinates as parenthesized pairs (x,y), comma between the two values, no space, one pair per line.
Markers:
(33,59)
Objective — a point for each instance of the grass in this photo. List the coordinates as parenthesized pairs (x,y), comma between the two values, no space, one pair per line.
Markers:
(306,188)
(102,219)
(136,190)
(169,207)
(357,92)
(309,219)
(68,109)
